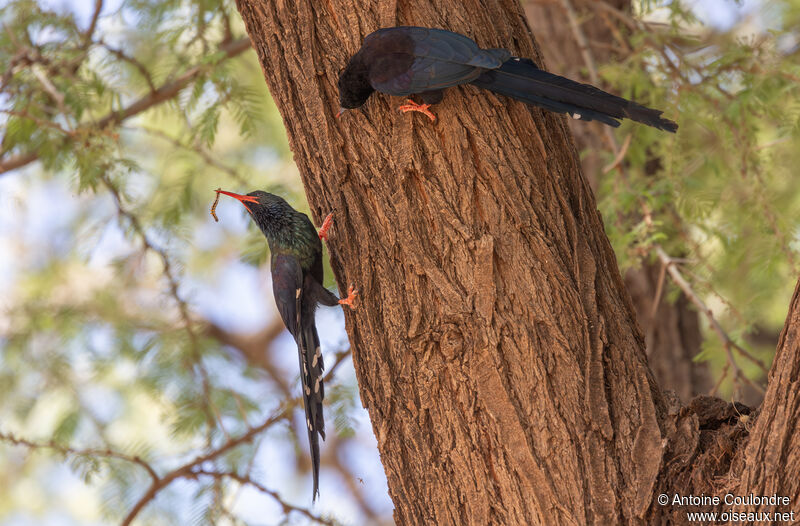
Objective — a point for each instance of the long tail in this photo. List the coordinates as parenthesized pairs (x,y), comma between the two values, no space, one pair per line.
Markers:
(311,368)
(519,78)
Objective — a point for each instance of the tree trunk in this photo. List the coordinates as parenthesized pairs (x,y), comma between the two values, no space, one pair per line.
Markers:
(672,330)
(773,453)
(496,348)
(495,345)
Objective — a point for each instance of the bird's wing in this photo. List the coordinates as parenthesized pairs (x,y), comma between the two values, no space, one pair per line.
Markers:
(287,286)
(415,60)
(290,288)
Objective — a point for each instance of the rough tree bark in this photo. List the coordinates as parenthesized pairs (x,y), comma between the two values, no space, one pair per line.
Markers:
(772,457)
(496,348)
(672,331)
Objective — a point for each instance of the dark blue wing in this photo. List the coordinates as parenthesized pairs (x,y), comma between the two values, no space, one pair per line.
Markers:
(409,60)
(287,283)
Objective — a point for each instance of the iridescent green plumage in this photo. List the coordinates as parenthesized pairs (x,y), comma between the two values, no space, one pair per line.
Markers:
(288,231)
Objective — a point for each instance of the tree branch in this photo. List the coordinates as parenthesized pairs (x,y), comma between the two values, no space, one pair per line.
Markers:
(186,470)
(67,450)
(162,94)
(246,480)
(170,89)
(727,341)
(87,36)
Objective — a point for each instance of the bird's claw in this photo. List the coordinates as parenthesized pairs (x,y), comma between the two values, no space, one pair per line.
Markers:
(352,292)
(326,225)
(410,105)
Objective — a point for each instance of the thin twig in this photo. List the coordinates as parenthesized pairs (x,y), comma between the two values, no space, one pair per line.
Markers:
(581,40)
(662,275)
(770,144)
(252,347)
(51,90)
(172,280)
(43,123)
(246,480)
(728,344)
(722,376)
(629,21)
(338,360)
(620,155)
(185,471)
(68,450)
(120,54)
(87,36)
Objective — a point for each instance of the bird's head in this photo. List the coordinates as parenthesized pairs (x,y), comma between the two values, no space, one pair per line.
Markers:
(263,207)
(354,85)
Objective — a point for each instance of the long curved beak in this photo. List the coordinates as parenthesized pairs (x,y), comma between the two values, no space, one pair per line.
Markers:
(244,199)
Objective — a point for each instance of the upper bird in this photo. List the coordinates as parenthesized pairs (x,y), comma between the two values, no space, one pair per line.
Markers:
(296,265)
(410,60)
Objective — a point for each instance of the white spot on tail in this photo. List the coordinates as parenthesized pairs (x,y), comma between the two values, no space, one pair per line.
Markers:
(316,386)
(316,357)
(309,425)
(576,116)
(297,294)
(308,391)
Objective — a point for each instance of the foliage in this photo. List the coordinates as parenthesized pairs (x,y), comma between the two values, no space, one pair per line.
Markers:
(114,360)
(723,193)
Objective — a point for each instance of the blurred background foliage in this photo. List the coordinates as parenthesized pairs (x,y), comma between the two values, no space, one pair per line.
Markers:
(131,322)
(142,365)
(721,197)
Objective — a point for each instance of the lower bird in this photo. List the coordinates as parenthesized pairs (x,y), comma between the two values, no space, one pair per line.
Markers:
(296,265)
(408,60)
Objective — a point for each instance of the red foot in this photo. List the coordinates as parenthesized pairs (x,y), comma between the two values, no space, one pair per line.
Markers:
(351,297)
(326,225)
(422,108)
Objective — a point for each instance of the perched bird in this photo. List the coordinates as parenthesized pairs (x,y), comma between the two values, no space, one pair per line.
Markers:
(408,60)
(296,265)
